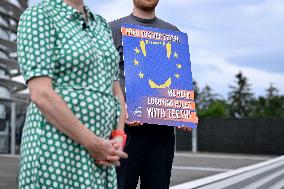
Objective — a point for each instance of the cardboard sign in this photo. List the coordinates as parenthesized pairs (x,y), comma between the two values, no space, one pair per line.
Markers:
(158,79)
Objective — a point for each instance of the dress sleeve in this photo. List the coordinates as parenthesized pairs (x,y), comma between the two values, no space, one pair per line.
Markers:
(116,74)
(35,44)
(106,26)
(110,34)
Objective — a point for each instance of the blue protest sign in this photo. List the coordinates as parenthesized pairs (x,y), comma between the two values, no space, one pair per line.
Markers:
(158,79)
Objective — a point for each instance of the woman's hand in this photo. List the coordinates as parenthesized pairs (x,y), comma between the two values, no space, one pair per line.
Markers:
(117,142)
(104,152)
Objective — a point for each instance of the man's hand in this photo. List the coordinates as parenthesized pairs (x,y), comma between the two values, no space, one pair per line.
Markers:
(184,128)
(132,123)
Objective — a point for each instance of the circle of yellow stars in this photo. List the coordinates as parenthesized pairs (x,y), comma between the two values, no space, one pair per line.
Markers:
(141,75)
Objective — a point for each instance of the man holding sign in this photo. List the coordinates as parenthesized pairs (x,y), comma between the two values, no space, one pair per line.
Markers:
(150,147)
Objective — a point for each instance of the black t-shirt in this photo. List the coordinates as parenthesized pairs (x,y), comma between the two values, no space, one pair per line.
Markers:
(117,37)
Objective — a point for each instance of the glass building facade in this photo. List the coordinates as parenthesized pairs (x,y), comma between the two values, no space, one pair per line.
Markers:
(12,102)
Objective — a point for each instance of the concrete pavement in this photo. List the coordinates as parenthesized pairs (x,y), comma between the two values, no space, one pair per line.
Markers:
(186,167)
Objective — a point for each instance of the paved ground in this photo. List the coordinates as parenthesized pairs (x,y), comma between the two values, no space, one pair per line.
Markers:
(187,166)
(8,171)
(264,175)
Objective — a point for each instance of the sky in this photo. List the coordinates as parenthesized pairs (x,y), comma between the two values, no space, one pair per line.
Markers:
(225,37)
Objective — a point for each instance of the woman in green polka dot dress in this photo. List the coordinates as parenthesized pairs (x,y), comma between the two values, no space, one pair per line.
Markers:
(69,62)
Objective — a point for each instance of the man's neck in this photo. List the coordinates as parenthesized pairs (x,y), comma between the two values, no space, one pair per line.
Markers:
(143,14)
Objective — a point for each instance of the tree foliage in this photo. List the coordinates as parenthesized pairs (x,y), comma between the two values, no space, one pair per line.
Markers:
(240,102)
(270,106)
(210,104)
(240,98)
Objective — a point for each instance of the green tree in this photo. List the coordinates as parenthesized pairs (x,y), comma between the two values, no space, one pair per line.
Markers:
(196,95)
(206,97)
(270,106)
(240,98)
(272,91)
(210,104)
(217,109)
(275,107)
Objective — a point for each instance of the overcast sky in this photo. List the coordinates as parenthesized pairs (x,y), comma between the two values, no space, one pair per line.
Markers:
(225,36)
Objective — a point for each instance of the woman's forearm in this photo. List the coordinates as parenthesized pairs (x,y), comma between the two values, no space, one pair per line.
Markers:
(57,113)
(118,93)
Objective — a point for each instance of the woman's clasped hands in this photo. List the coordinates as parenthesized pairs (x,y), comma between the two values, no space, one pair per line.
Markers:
(106,152)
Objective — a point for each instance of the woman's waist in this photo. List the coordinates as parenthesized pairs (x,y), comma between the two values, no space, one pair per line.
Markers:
(88,96)
(103,90)
(83,102)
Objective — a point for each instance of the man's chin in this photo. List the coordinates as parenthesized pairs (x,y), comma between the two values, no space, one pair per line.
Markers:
(147,9)
(147,6)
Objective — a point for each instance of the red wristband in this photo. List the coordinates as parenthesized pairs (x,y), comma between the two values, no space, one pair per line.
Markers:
(121,133)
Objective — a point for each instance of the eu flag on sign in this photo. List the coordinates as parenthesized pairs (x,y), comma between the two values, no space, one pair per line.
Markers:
(158,79)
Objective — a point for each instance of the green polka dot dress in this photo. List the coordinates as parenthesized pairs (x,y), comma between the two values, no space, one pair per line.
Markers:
(83,63)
